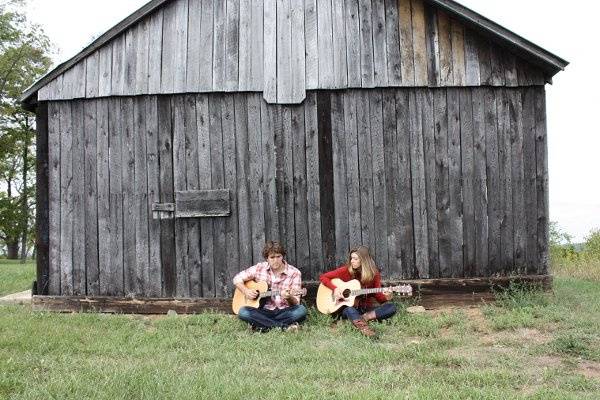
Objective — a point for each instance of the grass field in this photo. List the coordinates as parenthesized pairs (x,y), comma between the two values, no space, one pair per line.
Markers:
(15,277)
(527,346)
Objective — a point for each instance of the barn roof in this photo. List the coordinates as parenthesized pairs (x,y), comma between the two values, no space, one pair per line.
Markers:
(533,54)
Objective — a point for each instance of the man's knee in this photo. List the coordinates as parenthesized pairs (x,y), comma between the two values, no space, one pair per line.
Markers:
(245,313)
(299,312)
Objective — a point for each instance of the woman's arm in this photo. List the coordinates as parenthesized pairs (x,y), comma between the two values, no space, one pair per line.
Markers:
(328,276)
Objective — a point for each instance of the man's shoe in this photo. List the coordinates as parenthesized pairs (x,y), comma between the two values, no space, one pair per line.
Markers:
(295,327)
(363,328)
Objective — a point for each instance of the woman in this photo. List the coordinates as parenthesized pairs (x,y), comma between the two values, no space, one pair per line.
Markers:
(361,266)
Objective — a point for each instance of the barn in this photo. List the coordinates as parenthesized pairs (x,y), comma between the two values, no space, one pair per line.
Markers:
(179,141)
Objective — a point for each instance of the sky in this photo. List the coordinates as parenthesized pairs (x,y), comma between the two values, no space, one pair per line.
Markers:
(572,101)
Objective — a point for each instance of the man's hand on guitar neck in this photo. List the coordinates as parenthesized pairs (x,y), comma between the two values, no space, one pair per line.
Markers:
(289,296)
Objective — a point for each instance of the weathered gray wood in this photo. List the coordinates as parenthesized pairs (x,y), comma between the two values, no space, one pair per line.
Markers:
(92,81)
(128,181)
(458,52)
(118,66)
(493,181)
(78,188)
(167,226)
(419,42)
(312,47)
(404,208)
(142,50)
(42,228)
(217,156)
(268,122)
(430,178)
(298,53)
(232,257)
(380,56)
(518,184)
(174,51)
(480,183)
(313,184)
(472,77)
(340,64)
(205,178)
(257,45)
(203,203)
(419,190)
(103,192)
(445,49)
(131,52)
(524,73)
(407,58)
(104,70)
(232,45)
(284,52)
(497,66)
(256,182)
(245,45)
(195,46)
(455,183)
(270,51)
(394,63)
(181,43)
(338,133)
(325,44)
(366,45)
(433,46)
(485,61)
(300,188)
(352,169)
(326,187)
(541,152)
(155,49)
(288,185)
(505,173)
(114,278)
(205,83)
(54,206)
(510,69)
(380,195)
(442,188)
(365,165)
(152,276)
(393,264)
(467,156)
(353,60)
(529,183)
(243,156)
(66,199)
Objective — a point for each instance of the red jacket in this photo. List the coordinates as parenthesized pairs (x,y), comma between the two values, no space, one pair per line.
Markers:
(343,274)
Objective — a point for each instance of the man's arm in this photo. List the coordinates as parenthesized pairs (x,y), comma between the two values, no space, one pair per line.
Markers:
(244,276)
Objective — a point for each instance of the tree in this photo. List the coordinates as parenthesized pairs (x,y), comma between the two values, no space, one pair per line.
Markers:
(24,57)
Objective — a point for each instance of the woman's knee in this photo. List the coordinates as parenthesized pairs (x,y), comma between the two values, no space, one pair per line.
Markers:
(388,309)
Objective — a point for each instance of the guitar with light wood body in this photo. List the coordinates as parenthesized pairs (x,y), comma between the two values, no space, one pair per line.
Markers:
(327,304)
(240,300)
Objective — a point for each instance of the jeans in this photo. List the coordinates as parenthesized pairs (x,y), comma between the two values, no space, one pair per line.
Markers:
(264,319)
(382,312)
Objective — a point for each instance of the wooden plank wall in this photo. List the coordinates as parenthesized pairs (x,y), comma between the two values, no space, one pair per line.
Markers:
(285,47)
(446,182)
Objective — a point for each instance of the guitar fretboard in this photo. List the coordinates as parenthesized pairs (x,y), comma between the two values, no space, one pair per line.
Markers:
(360,292)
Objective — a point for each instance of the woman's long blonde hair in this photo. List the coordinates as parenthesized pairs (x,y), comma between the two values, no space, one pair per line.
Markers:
(367,270)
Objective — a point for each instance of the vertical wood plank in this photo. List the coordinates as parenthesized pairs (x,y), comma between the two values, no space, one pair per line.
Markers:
(340,197)
(205,83)
(419,42)
(497,66)
(104,70)
(92,82)
(300,188)
(445,46)
(288,185)
(493,181)
(270,51)
(313,185)
(365,165)
(284,52)
(232,48)
(455,183)
(269,122)
(529,183)
(380,56)
(325,44)
(42,227)
(195,46)
(256,182)
(312,46)
(366,44)
(458,52)
(541,152)
(66,200)
(480,182)
(518,177)
(352,169)
(219,44)
(394,260)
(131,52)
(407,58)
(153,276)
(257,45)
(353,60)
(340,64)
(128,175)
(118,66)
(114,284)
(205,178)
(173,75)
(245,46)
(485,61)
(472,77)
(467,156)
(78,188)
(510,69)
(405,242)
(103,179)
(394,60)
(298,53)
(155,50)
(54,196)
(433,46)
(142,51)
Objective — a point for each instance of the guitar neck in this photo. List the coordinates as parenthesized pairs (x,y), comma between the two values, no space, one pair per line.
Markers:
(270,293)
(360,292)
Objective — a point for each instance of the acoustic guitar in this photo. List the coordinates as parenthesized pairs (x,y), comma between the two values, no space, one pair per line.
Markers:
(327,304)
(240,300)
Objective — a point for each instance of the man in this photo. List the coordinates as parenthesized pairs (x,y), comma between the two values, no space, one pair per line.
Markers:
(283,311)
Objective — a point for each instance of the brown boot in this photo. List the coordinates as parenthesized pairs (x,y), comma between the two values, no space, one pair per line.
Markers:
(363,328)
(369,316)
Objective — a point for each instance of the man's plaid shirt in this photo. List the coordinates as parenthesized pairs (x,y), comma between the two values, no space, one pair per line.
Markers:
(289,279)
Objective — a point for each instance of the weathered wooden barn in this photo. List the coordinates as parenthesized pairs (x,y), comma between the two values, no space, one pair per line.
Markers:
(174,145)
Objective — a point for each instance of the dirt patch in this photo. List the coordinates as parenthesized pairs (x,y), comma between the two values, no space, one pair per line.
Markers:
(547,362)
(524,336)
(589,369)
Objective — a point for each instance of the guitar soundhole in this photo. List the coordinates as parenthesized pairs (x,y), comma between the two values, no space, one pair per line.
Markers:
(346,293)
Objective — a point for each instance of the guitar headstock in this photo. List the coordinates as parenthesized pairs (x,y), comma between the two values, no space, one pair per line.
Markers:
(403,290)
(299,292)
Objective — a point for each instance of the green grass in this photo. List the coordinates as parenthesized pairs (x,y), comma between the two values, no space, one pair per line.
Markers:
(16,277)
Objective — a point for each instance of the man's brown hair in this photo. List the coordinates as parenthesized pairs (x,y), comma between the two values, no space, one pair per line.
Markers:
(273,248)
